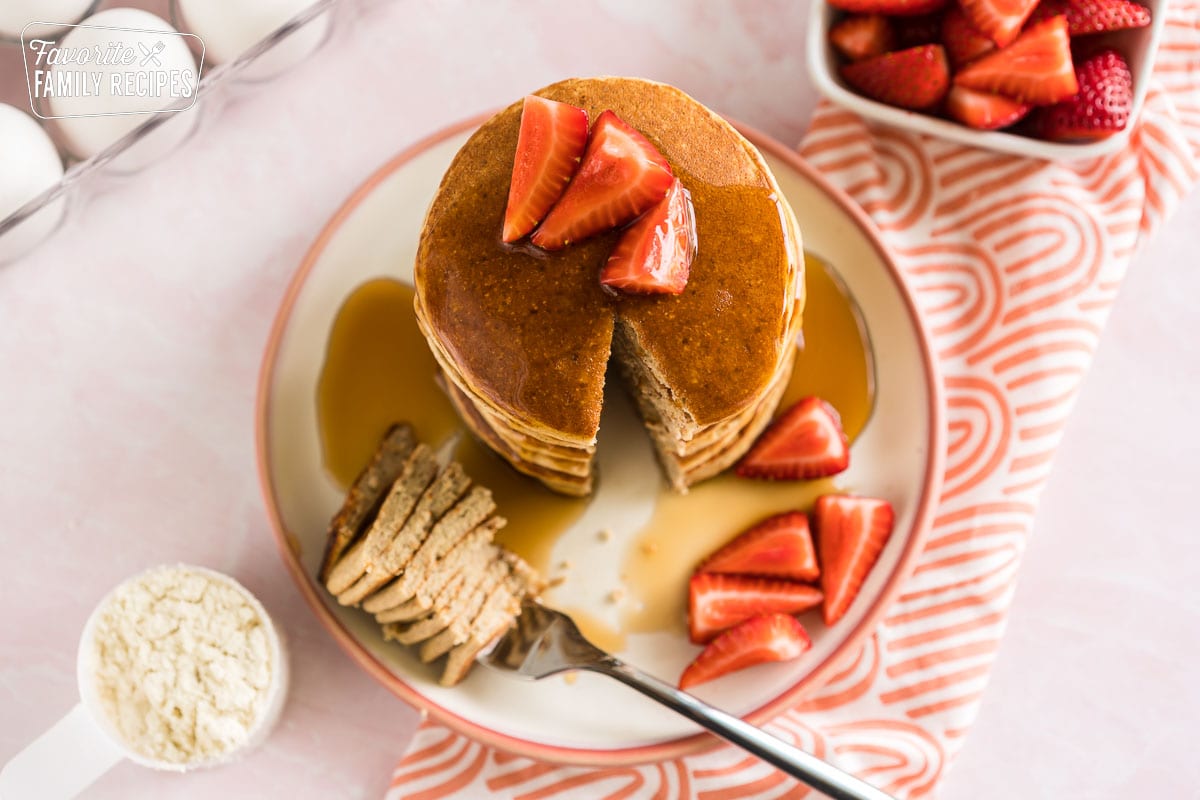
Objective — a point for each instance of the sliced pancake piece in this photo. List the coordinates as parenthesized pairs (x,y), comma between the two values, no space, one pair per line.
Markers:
(469,556)
(365,496)
(419,470)
(450,616)
(452,589)
(497,614)
(429,625)
(469,512)
(462,612)
(445,491)
(405,611)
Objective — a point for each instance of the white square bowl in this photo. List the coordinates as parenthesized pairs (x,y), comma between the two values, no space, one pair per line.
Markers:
(1138,46)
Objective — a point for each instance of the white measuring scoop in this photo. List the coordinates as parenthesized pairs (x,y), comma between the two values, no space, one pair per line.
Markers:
(85,743)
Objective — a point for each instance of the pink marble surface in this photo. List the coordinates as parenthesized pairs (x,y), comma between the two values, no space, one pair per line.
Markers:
(129,346)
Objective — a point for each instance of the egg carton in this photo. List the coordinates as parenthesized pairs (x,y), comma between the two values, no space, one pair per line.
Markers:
(161,134)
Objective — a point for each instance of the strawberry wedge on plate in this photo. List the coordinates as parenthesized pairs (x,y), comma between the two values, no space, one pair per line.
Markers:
(718,602)
(806,442)
(767,637)
(654,254)
(779,546)
(551,141)
(621,176)
(851,533)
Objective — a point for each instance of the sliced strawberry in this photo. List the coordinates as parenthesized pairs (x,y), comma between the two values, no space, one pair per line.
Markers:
(963,42)
(851,532)
(1094,16)
(1036,68)
(916,78)
(984,111)
(549,146)
(718,602)
(896,8)
(767,637)
(1102,106)
(862,36)
(654,254)
(621,176)
(779,547)
(807,441)
(999,20)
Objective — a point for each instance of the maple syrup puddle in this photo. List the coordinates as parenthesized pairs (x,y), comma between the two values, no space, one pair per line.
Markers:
(378,370)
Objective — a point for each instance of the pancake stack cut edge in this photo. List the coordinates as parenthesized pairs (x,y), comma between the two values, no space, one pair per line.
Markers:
(689,452)
(691,446)
(413,545)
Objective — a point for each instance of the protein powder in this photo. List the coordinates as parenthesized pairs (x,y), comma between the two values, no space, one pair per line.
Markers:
(186,667)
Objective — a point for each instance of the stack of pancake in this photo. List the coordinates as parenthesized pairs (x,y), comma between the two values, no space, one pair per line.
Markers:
(412,544)
(523,336)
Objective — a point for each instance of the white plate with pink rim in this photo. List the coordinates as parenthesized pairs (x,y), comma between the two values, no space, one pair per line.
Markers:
(592,720)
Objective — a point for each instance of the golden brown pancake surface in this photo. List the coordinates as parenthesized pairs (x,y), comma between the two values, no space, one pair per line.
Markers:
(531,330)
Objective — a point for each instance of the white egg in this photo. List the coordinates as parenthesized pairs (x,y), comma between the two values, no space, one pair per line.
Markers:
(116,114)
(29,165)
(230,27)
(16,14)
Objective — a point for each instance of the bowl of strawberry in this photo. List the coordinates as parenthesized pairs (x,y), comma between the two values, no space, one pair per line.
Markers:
(1054,79)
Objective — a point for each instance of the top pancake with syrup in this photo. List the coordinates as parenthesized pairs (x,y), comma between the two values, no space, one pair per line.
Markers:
(531,331)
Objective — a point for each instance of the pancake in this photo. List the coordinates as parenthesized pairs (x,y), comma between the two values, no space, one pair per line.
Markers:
(523,336)
(423,559)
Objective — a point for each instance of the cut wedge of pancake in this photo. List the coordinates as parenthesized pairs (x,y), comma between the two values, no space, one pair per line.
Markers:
(422,556)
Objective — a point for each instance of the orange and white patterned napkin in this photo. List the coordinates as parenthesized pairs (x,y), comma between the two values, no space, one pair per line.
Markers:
(1014,264)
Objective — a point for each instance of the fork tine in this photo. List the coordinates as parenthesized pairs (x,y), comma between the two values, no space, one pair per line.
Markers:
(540,643)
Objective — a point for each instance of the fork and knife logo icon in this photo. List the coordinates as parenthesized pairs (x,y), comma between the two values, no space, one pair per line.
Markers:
(150,55)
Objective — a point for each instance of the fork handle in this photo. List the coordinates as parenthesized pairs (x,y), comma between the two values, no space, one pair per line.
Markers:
(803,766)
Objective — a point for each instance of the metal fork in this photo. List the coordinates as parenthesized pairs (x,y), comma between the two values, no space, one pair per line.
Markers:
(545,642)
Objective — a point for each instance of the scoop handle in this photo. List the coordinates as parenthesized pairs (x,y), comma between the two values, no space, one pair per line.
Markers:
(60,763)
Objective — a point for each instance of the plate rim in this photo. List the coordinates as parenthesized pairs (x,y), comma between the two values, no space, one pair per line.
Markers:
(624,756)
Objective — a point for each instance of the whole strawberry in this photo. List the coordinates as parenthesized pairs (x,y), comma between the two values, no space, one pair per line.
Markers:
(1102,105)
(1094,16)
